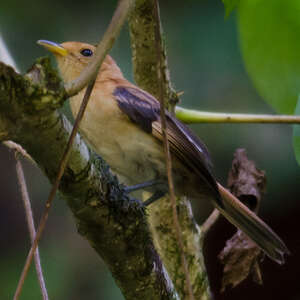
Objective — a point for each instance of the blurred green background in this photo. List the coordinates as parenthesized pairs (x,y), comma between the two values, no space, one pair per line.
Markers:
(206,63)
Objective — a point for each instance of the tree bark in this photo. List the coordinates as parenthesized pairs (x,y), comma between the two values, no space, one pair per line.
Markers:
(114,224)
(142,25)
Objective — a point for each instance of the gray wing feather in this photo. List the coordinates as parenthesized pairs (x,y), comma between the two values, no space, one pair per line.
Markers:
(144,110)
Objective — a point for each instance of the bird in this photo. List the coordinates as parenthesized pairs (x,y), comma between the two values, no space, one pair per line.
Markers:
(122,124)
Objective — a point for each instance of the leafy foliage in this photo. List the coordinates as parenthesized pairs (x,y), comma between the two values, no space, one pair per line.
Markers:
(269,37)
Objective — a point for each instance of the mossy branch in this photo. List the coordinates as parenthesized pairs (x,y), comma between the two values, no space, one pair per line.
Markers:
(144,54)
(142,26)
(114,224)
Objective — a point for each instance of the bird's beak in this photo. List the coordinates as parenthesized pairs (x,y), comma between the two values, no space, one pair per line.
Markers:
(53,47)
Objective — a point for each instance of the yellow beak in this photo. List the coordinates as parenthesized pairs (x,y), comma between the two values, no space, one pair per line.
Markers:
(53,47)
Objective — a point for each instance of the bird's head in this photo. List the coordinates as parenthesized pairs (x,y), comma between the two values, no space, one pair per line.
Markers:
(73,57)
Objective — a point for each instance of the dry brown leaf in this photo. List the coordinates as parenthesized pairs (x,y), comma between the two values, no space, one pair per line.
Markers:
(245,181)
(240,255)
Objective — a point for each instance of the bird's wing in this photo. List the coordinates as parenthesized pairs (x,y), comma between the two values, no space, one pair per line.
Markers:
(144,110)
(134,104)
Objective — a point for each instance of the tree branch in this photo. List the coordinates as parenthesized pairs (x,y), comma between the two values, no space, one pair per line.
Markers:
(55,185)
(114,224)
(6,57)
(166,244)
(142,32)
(144,54)
(86,77)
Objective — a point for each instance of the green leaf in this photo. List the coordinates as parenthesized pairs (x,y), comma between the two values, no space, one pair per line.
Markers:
(270,41)
(230,5)
(296,134)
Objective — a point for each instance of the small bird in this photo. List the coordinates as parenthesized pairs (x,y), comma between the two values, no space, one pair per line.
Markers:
(122,124)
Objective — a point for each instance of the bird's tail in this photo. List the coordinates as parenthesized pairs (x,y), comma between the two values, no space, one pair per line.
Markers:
(243,218)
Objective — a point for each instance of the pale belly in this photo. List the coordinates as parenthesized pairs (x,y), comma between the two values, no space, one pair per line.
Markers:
(134,155)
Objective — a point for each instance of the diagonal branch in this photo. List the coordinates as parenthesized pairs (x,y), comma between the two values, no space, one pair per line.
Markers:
(6,57)
(87,77)
(61,168)
(115,225)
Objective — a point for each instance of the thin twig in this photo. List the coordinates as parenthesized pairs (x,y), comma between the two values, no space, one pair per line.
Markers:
(18,148)
(30,223)
(167,153)
(105,45)
(209,222)
(82,192)
(54,189)
(190,116)
(7,58)
(103,48)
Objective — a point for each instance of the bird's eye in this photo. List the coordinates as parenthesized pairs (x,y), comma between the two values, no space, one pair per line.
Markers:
(86,52)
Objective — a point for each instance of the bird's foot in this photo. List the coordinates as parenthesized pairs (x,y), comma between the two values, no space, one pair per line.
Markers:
(142,185)
(155,196)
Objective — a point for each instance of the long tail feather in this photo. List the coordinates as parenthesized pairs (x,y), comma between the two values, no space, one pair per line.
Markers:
(243,218)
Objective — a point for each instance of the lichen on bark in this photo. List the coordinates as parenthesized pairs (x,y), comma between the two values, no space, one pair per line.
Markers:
(142,25)
(114,224)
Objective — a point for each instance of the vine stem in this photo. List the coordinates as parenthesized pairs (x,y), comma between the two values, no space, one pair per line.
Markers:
(19,151)
(87,77)
(30,223)
(191,116)
(167,152)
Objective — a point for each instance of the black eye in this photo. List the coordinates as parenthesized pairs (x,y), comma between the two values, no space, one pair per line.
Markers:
(86,52)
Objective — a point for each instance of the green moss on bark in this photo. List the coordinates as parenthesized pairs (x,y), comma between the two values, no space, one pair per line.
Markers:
(114,224)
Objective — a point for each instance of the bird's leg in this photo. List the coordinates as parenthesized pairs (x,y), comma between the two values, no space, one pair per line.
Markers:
(156,196)
(142,185)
